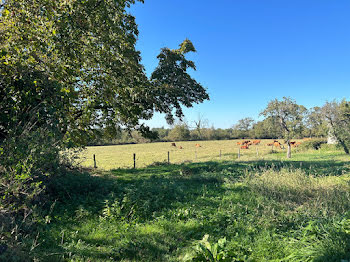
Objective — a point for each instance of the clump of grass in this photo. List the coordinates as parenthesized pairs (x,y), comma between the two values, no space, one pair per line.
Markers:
(295,188)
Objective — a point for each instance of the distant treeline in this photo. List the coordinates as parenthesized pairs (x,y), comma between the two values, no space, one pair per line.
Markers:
(269,128)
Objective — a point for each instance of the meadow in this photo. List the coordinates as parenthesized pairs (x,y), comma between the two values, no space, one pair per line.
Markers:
(256,208)
(121,156)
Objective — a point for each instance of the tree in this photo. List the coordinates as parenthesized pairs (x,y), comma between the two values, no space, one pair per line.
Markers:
(70,67)
(268,128)
(180,132)
(289,115)
(337,116)
(243,127)
(171,83)
(199,124)
(315,123)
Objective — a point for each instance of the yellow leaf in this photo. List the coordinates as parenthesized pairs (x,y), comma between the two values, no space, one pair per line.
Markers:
(5,12)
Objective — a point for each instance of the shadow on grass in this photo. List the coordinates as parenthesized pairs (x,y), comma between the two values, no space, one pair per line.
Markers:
(143,196)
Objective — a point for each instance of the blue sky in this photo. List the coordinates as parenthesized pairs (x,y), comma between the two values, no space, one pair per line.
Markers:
(250,52)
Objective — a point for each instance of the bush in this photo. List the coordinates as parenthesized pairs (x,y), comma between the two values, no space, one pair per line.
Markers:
(330,147)
(314,143)
(27,161)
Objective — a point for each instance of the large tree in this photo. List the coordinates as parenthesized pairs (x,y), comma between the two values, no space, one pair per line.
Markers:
(289,115)
(69,68)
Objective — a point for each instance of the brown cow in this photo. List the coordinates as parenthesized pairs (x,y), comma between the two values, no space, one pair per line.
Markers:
(277,144)
(245,142)
(244,147)
(296,144)
(180,147)
(238,143)
(269,144)
(256,142)
(173,144)
(198,145)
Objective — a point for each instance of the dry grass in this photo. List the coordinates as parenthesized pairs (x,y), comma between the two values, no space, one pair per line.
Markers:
(121,156)
(300,191)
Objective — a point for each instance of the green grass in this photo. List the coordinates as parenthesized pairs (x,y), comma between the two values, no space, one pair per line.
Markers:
(121,156)
(268,209)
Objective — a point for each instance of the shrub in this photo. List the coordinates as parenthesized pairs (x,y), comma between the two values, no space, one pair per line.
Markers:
(314,143)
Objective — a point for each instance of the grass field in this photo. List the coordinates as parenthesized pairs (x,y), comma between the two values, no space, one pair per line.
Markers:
(121,156)
(264,208)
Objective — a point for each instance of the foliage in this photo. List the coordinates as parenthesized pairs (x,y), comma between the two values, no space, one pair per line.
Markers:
(171,83)
(218,252)
(267,128)
(337,116)
(70,71)
(204,251)
(180,132)
(316,126)
(314,143)
(242,127)
(289,115)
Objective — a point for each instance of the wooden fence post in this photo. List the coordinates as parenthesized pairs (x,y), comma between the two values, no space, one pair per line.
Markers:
(239,153)
(220,153)
(196,154)
(95,166)
(168,157)
(134,160)
(257,151)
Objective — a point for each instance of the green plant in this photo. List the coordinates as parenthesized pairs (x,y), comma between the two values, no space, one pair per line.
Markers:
(314,143)
(205,251)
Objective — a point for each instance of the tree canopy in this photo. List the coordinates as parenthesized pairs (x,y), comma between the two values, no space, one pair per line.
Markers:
(289,115)
(69,70)
(82,55)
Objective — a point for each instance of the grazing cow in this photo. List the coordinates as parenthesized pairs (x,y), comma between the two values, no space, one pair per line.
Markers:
(256,142)
(277,144)
(244,147)
(296,144)
(173,144)
(180,147)
(249,143)
(293,144)
(269,144)
(245,142)
(238,143)
(198,145)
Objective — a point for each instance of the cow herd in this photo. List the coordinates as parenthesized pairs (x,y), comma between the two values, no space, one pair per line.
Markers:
(246,143)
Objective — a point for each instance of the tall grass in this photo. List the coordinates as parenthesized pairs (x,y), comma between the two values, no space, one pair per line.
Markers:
(299,190)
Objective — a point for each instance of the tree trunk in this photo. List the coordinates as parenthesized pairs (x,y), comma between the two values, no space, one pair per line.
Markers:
(342,143)
(289,150)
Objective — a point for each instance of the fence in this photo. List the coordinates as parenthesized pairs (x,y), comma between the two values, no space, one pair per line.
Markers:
(141,160)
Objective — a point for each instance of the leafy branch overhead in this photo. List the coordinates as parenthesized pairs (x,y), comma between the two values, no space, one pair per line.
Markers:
(86,51)
(173,85)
